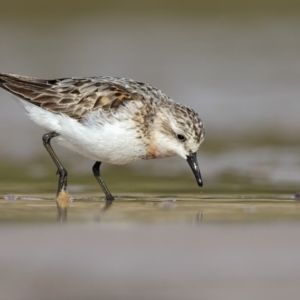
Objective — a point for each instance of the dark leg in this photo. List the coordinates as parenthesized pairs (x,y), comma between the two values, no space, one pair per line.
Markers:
(62,182)
(62,195)
(108,196)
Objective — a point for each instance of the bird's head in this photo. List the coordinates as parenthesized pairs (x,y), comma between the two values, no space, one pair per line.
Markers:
(178,130)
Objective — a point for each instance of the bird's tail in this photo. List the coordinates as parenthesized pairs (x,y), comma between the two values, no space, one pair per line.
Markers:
(24,87)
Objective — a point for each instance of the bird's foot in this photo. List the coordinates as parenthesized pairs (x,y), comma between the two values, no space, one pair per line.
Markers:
(63,201)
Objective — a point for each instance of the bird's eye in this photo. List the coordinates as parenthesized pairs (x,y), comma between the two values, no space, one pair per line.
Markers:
(181,137)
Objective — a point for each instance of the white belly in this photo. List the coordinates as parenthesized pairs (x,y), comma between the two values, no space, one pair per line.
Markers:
(113,142)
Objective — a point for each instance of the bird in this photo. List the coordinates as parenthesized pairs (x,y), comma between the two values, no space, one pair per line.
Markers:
(108,119)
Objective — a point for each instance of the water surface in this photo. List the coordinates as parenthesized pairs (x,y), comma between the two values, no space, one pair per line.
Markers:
(147,208)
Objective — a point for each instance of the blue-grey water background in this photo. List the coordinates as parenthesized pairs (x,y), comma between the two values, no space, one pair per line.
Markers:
(237,64)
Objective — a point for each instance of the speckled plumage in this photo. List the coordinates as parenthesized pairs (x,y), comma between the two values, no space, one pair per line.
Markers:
(110,119)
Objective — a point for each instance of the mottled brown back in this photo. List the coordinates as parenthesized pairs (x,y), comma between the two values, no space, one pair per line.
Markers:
(74,97)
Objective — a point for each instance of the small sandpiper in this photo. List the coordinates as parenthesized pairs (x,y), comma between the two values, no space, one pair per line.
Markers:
(107,119)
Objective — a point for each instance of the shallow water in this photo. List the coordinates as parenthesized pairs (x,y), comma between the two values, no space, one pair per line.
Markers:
(147,208)
(29,196)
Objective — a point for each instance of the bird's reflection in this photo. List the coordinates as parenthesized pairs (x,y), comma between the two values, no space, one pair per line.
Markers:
(103,209)
(63,201)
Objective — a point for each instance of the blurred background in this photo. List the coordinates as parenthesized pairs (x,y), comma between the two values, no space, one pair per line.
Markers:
(237,63)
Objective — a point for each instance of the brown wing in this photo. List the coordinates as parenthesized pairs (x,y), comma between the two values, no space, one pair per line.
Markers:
(72,96)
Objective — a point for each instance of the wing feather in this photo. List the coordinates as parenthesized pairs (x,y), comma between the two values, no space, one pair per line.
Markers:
(74,97)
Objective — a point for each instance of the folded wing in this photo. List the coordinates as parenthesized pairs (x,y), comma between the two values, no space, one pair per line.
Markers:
(74,97)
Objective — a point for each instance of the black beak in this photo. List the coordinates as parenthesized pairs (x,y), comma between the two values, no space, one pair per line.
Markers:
(192,160)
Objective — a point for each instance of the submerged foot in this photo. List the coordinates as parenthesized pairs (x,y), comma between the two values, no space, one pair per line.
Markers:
(63,201)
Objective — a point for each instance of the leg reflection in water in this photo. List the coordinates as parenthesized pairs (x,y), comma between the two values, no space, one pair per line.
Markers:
(107,205)
(63,203)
